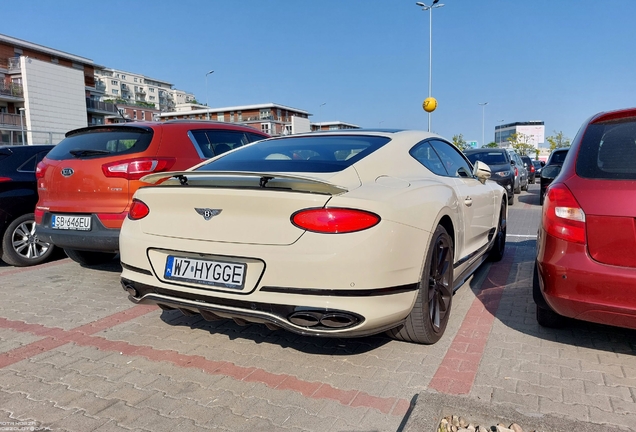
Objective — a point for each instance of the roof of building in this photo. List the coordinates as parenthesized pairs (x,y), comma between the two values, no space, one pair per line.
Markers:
(335,123)
(235,108)
(30,45)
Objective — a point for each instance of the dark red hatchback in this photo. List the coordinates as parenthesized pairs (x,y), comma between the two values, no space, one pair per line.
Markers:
(586,248)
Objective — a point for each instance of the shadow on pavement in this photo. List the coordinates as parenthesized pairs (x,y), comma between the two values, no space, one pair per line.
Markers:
(259,333)
(529,197)
(517,309)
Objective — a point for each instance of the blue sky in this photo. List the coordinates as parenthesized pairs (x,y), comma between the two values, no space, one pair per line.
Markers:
(366,60)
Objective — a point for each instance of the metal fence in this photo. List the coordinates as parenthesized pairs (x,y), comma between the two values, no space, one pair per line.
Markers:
(28,136)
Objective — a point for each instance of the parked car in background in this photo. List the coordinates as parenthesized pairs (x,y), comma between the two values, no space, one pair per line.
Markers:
(345,233)
(501,170)
(586,265)
(538,166)
(18,196)
(87,181)
(521,173)
(551,170)
(529,166)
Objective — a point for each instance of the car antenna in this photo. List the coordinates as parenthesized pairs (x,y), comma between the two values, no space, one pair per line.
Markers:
(121,114)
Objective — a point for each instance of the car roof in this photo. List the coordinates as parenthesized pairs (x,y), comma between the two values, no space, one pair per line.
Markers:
(194,124)
(484,150)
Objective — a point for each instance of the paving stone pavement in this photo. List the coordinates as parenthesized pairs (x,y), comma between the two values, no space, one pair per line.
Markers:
(76,355)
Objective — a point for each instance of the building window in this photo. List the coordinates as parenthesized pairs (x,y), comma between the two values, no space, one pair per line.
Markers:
(240,116)
(115,91)
(152,89)
(265,113)
(123,77)
(114,82)
(143,115)
(152,98)
(232,117)
(55,60)
(265,127)
(134,114)
(135,79)
(220,117)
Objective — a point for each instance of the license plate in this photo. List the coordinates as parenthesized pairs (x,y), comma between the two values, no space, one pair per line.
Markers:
(205,272)
(79,223)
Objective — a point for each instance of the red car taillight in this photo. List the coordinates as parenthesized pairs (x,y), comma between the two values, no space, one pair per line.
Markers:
(334,220)
(532,168)
(40,170)
(134,169)
(5,179)
(138,210)
(563,217)
(516,172)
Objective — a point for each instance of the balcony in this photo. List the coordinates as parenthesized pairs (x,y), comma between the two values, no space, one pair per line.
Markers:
(10,119)
(100,86)
(11,89)
(100,107)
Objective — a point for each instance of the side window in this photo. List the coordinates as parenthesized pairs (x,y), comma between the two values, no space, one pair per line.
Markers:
(29,165)
(452,159)
(424,154)
(202,143)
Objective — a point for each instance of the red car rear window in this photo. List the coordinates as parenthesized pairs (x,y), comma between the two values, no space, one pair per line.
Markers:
(608,151)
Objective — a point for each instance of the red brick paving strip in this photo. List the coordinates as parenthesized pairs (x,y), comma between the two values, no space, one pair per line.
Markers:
(26,269)
(456,374)
(83,336)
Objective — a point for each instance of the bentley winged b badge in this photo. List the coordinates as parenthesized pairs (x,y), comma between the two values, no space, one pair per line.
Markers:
(208,213)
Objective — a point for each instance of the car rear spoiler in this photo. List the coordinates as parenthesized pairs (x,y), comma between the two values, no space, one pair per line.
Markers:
(244,179)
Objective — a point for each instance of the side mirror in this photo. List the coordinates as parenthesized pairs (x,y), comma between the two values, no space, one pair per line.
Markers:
(542,163)
(512,162)
(481,171)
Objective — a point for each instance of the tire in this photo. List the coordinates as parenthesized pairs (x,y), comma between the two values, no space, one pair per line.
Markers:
(546,317)
(21,246)
(89,258)
(541,197)
(525,188)
(511,199)
(518,188)
(428,319)
(499,247)
(549,318)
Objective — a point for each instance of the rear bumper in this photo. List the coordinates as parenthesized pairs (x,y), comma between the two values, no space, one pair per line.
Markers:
(576,286)
(98,239)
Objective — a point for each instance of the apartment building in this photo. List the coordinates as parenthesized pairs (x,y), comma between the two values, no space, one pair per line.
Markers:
(533,130)
(271,118)
(332,125)
(45,92)
(132,89)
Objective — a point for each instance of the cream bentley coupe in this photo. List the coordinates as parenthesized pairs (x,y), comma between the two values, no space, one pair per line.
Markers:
(340,234)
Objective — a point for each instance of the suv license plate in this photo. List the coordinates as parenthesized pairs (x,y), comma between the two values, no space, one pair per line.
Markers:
(206,272)
(78,223)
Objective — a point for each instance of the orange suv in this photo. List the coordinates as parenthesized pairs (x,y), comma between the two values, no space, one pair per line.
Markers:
(86,182)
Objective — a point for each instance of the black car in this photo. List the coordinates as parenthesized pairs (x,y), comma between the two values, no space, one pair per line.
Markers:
(538,166)
(500,167)
(552,169)
(18,196)
(532,172)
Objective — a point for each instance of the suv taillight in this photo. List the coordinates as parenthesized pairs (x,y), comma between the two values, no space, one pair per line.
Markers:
(563,217)
(516,172)
(40,170)
(134,169)
(334,220)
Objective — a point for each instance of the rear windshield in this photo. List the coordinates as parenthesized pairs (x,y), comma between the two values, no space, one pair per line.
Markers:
(299,154)
(608,151)
(489,158)
(215,142)
(102,142)
(558,157)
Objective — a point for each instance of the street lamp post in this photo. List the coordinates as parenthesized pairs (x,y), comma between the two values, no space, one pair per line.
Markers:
(206,94)
(483,115)
(22,123)
(430,48)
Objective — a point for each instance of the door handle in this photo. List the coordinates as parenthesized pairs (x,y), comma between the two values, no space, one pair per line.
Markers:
(468,201)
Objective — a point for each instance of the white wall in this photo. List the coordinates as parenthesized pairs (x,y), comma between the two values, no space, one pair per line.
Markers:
(300,125)
(55,100)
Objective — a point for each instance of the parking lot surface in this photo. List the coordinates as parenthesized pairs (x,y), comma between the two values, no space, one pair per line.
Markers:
(76,355)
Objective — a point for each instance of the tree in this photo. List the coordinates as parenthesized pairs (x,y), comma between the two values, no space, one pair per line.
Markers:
(558,140)
(491,144)
(460,142)
(521,143)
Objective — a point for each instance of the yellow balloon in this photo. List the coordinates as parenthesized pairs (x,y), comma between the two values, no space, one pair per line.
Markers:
(429,105)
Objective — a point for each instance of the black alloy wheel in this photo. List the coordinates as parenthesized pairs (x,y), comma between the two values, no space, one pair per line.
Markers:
(427,321)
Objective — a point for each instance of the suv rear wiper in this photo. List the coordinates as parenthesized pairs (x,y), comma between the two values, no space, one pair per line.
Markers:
(80,153)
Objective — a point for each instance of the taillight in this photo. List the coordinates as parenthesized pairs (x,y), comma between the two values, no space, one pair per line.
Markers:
(334,220)
(5,179)
(138,210)
(134,169)
(40,170)
(38,215)
(516,172)
(532,168)
(563,217)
